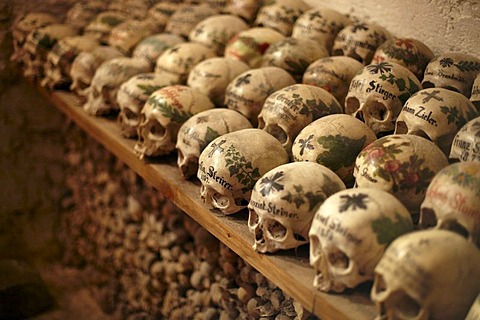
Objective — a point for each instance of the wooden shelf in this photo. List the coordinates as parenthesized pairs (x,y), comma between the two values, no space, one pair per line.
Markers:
(288,270)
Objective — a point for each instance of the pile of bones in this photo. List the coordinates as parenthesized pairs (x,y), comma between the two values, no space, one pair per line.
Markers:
(328,129)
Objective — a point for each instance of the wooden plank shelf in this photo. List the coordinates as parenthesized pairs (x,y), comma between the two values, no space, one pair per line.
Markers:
(289,270)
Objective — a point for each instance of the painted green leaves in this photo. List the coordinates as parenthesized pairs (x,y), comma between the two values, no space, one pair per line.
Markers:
(340,151)
(300,197)
(388,229)
(169,111)
(455,115)
(210,135)
(242,169)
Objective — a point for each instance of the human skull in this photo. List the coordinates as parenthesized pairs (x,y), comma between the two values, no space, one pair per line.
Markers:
(199,130)
(183,20)
(360,41)
(249,90)
(452,201)
(474,312)
(430,274)
(103,23)
(81,13)
(377,93)
(410,53)
(162,11)
(230,165)
(215,31)
(153,46)
(333,74)
(475,95)
(321,24)
(287,111)
(335,142)
(401,164)
(133,94)
(212,76)
(293,55)
(102,93)
(84,66)
(466,143)
(129,33)
(246,9)
(61,57)
(280,15)
(250,45)
(284,201)
(349,234)
(37,45)
(162,116)
(25,25)
(452,71)
(181,58)
(136,9)
(436,114)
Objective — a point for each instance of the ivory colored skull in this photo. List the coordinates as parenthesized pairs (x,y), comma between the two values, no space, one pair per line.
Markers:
(133,94)
(60,59)
(349,234)
(81,13)
(249,90)
(129,33)
(181,58)
(162,11)
(212,76)
(84,66)
(452,201)
(230,165)
(474,312)
(136,9)
(103,23)
(431,274)
(162,116)
(452,71)
(151,47)
(183,20)
(360,41)
(466,143)
(215,31)
(321,24)
(377,93)
(284,201)
(280,15)
(246,9)
(199,130)
(250,45)
(410,53)
(293,55)
(475,95)
(333,74)
(287,111)
(335,142)
(102,93)
(401,164)
(436,114)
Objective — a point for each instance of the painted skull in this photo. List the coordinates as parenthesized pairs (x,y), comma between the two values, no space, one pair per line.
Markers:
(230,165)
(199,130)
(466,143)
(280,15)
(349,234)
(335,142)
(293,55)
(475,95)
(377,93)
(360,41)
(401,164)
(410,53)
(215,31)
(183,20)
(103,23)
(81,13)
(333,74)
(249,90)
(129,33)
(151,47)
(60,59)
(84,66)
(436,114)
(162,11)
(181,58)
(102,93)
(136,9)
(452,201)
(284,201)
(250,45)
(431,274)
(162,116)
(474,312)
(246,9)
(287,111)
(212,76)
(321,24)
(452,71)
(133,94)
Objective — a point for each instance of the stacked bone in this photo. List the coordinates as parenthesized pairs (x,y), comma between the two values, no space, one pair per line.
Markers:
(403,106)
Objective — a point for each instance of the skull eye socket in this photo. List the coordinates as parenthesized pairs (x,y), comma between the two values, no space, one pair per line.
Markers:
(428,218)
(338,259)
(401,127)
(129,114)
(276,230)
(157,129)
(403,306)
(454,226)
(351,105)
(427,85)
(378,111)
(278,133)
(220,201)
(252,219)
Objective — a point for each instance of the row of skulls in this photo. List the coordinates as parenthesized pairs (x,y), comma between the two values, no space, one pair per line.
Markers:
(380,115)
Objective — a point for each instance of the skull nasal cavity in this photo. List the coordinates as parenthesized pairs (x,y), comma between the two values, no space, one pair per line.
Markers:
(351,105)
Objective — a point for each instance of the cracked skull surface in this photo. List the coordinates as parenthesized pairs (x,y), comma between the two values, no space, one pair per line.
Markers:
(231,164)
(349,234)
(284,201)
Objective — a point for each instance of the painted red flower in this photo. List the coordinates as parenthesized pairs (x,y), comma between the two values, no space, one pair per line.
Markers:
(392,165)
(411,178)
(376,153)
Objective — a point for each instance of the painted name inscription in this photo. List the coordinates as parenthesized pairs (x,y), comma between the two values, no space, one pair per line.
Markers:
(212,174)
(273,209)
(421,113)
